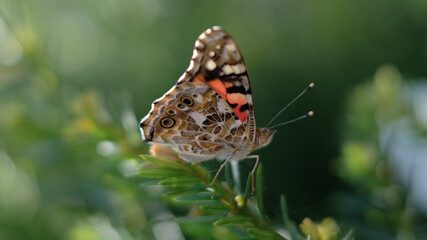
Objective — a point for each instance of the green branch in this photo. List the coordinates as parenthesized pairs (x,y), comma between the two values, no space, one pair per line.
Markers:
(220,205)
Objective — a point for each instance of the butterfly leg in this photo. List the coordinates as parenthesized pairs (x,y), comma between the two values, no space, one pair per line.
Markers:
(253,170)
(220,168)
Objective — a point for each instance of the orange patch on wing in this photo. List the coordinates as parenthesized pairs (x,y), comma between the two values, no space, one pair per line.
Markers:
(218,86)
(228,84)
(240,100)
(199,78)
(215,84)
(232,98)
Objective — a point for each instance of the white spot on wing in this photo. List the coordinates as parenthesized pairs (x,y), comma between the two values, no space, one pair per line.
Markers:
(218,47)
(236,124)
(212,54)
(222,107)
(210,65)
(198,98)
(237,69)
(230,47)
(216,28)
(227,69)
(208,31)
(198,117)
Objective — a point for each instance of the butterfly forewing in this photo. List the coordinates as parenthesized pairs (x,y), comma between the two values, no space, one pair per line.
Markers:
(218,62)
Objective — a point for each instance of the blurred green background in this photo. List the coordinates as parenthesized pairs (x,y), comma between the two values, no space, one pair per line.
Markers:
(77,76)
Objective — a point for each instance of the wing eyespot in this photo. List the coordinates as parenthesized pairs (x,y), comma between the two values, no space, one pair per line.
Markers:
(180,106)
(187,101)
(167,122)
(171,112)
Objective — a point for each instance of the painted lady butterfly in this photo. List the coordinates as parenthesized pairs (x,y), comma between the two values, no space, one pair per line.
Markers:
(209,113)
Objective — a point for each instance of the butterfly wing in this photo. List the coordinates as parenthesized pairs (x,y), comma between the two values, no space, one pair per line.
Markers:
(217,62)
(200,123)
(195,121)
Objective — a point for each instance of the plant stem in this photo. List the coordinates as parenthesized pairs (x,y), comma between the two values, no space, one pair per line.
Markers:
(229,198)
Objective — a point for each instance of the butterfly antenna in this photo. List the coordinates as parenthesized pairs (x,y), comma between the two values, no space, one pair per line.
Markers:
(289,104)
(309,114)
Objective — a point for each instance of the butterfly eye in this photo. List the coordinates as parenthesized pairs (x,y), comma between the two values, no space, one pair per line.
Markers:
(187,101)
(171,112)
(167,122)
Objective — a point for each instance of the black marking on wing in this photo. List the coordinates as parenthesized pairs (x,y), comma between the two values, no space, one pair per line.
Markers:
(233,105)
(244,107)
(210,75)
(238,89)
(150,136)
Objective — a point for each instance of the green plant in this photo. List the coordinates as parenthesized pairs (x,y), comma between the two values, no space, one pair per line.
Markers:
(382,139)
(241,215)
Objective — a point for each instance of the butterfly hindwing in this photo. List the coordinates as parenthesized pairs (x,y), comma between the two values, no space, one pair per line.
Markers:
(195,121)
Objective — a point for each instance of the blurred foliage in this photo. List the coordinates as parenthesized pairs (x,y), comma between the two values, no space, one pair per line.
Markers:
(76,77)
(327,229)
(217,205)
(380,123)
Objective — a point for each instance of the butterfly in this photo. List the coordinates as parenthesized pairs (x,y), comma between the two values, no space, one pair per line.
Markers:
(209,112)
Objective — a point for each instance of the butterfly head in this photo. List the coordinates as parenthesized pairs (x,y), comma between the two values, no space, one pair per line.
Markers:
(263,137)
